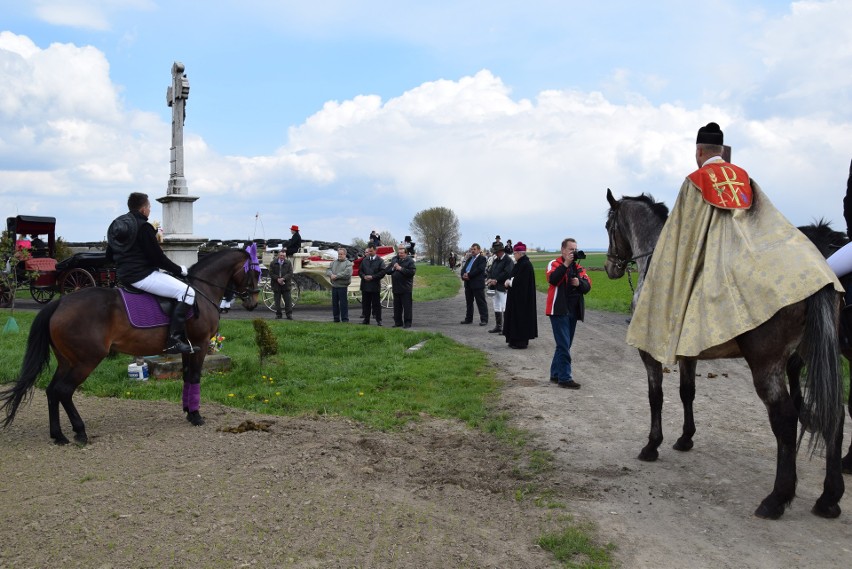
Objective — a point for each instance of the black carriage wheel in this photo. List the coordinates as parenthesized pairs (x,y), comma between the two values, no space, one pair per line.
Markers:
(75,279)
(41,295)
(5,297)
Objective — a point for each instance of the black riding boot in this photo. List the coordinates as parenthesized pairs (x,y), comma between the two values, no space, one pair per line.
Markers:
(176,343)
(498,323)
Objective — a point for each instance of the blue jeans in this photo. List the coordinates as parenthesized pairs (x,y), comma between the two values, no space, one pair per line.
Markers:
(563,332)
(340,304)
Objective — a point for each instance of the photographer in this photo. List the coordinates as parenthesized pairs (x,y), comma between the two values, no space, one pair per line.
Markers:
(565,306)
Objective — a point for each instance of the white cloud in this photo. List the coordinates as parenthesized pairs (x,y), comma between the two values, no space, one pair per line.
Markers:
(534,169)
(88,14)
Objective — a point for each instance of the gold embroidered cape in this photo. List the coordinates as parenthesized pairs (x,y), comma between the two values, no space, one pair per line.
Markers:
(717,273)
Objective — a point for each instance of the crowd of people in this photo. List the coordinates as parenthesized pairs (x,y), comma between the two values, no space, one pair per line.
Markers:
(503,273)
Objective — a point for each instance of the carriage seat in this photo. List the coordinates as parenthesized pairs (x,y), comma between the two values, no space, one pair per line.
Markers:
(384,250)
(42,264)
(356,265)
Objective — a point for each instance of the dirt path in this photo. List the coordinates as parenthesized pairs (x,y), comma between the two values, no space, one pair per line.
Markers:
(152,492)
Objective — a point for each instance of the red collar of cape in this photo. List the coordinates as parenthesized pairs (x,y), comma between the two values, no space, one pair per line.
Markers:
(723,185)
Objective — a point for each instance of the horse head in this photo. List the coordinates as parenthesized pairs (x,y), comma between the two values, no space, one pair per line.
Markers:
(632,224)
(232,270)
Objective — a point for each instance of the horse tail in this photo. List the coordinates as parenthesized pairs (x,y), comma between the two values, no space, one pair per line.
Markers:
(36,358)
(822,406)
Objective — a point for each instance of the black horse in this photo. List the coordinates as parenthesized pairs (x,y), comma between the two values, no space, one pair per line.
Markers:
(808,327)
(82,328)
(828,241)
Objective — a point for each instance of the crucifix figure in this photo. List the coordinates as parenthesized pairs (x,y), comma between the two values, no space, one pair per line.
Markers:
(176,96)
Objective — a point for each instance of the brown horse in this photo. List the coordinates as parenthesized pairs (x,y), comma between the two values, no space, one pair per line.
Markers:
(82,328)
(808,328)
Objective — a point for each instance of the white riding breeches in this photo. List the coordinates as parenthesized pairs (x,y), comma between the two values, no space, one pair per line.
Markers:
(166,285)
(841,261)
(499,301)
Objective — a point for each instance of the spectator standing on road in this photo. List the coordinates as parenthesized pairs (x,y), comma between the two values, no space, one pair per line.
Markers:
(372,271)
(281,279)
(565,306)
(401,270)
(473,275)
(520,324)
(498,273)
(340,275)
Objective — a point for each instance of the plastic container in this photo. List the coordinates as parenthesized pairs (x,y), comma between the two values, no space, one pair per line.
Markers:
(138,370)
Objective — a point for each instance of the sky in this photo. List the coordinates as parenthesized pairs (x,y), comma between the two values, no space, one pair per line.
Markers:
(347,116)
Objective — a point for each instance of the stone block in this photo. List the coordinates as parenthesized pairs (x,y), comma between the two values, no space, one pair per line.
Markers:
(171,366)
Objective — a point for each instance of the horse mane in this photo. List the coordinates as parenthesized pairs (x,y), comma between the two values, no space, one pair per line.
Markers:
(659,209)
(212,258)
(826,239)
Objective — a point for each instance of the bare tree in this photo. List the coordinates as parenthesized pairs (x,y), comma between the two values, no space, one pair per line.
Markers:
(388,239)
(437,229)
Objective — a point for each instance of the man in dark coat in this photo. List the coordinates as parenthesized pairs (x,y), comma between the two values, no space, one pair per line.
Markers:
(371,271)
(295,242)
(473,275)
(281,278)
(401,270)
(520,324)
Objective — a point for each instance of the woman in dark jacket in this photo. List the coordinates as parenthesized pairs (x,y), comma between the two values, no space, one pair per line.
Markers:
(520,323)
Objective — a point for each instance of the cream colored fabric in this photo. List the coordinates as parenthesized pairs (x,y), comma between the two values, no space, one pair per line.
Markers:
(718,273)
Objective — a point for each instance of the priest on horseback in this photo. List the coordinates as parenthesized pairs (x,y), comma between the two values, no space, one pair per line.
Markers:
(726,261)
(132,243)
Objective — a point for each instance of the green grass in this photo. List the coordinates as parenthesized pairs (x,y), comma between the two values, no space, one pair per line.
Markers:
(358,372)
(575,549)
(606,294)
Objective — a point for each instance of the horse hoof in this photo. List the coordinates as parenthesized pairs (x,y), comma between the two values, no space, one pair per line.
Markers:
(81,439)
(769,509)
(649,455)
(829,511)
(683,444)
(61,440)
(195,418)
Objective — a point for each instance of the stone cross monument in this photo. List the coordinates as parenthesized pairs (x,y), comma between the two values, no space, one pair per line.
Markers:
(179,244)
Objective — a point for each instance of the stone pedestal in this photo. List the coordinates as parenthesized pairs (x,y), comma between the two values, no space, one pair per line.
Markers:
(171,366)
(179,243)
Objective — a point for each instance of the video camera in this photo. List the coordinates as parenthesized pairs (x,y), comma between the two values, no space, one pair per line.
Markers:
(578,254)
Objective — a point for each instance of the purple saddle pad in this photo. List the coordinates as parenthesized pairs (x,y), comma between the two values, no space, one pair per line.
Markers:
(144,310)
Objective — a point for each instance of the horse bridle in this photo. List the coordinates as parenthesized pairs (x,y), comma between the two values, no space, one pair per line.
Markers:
(246,291)
(623,262)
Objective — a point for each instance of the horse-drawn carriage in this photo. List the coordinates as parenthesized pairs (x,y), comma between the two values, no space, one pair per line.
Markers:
(313,265)
(39,269)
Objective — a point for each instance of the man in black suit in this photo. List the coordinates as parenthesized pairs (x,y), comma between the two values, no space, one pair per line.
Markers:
(372,271)
(473,275)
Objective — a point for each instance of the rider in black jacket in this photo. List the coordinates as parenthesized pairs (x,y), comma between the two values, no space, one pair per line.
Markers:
(139,258)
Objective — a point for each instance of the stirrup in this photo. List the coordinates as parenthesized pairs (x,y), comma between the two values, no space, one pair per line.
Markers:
(178,346)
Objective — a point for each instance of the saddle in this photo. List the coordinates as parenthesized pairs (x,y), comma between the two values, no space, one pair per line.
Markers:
(146,310)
